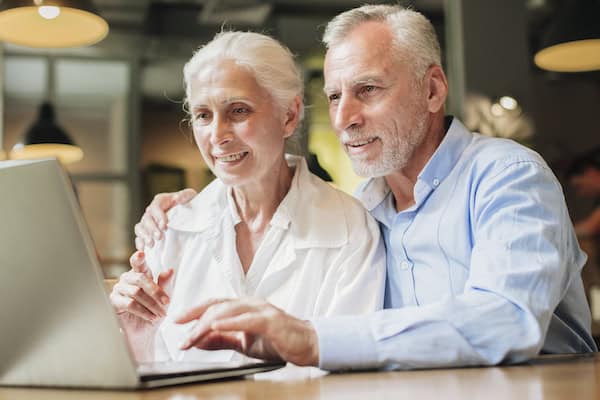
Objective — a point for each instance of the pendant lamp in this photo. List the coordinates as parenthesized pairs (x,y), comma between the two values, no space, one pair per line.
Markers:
(46,139)
(51,23)
(572,41)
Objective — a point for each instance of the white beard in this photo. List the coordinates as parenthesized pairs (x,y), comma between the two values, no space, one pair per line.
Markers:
(396,151)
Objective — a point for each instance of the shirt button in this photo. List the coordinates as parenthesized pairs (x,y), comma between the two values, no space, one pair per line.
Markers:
(404,265)
(436,182)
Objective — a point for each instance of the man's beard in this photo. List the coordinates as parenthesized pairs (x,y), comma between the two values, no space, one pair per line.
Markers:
(396,151)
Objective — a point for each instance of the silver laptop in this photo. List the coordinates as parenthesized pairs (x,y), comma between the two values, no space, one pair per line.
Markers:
(57,327)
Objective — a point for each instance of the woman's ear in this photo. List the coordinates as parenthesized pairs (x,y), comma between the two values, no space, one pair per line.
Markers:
(292,116)
(436,87)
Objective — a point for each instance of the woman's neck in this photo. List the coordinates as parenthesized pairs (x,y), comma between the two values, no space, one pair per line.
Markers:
(256,203)
(256,206)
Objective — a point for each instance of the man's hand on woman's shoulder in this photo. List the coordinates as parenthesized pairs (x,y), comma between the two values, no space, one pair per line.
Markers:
(154,221)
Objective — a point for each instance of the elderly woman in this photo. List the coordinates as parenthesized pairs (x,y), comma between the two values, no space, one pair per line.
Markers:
(266,228)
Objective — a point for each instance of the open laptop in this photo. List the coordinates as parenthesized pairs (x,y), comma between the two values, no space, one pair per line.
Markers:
(57,327)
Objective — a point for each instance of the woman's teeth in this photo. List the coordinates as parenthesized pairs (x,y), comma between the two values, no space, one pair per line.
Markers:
(232,157)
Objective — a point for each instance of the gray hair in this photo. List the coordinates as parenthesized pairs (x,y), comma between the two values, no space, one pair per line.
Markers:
(271,63)
(415,40)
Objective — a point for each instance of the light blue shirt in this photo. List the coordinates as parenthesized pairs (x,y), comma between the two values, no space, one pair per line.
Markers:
(483,269)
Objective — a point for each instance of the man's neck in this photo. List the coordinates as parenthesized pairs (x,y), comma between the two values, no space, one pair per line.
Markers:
(402,182)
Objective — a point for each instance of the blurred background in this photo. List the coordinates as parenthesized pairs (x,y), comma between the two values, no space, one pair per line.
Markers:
(118,102)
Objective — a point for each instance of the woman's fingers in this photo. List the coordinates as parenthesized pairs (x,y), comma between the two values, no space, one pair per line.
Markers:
(139,296)
(124,304)
(164,277)
(138,262)
(154,290)
(136,293)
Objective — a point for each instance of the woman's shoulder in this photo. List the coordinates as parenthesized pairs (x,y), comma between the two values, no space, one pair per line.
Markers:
(200,212)
(338,208)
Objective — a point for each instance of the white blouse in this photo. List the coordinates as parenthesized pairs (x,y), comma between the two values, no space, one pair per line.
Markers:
(322,255)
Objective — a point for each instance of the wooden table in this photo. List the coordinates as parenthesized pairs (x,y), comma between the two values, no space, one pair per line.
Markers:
(576,378)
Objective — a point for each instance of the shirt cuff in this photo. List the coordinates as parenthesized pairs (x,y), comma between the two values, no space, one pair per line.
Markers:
(345,343)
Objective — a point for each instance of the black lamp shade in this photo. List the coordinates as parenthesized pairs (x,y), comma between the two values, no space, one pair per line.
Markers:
(45,130)
(572,41)
(45,138)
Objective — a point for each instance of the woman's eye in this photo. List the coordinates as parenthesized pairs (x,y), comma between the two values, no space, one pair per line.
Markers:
(201,116)
(333,97)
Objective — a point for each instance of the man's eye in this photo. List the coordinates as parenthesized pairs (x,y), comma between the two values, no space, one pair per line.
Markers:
(240,110)
(368,89)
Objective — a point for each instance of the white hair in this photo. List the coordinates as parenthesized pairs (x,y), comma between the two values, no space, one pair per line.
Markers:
(271,63)
(415,40)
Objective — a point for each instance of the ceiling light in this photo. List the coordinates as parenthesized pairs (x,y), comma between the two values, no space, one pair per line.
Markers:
(51,23)
(572,41)
(46,139)
(508,103)
(49,12)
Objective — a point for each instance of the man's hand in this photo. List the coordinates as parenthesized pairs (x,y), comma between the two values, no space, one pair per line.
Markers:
(253,327)
(154,221)
(137,294)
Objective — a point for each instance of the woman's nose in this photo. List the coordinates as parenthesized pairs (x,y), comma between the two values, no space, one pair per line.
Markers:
(221,132)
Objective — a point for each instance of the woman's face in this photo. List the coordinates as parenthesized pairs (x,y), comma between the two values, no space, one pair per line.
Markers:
(238,129)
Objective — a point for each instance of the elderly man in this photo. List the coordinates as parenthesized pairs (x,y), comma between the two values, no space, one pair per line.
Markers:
(483,264)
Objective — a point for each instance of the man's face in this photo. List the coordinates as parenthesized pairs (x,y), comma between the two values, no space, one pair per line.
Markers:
(376,105)
(587,183)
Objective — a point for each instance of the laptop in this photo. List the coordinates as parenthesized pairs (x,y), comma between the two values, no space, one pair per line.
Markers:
(57,326)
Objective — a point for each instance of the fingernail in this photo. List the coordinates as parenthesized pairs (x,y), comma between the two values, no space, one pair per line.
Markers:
(157,235)
(165,300)
(185,344)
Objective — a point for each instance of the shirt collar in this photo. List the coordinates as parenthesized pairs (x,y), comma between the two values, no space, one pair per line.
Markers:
(374,191)
(312,210)
(309,210)
(447,154)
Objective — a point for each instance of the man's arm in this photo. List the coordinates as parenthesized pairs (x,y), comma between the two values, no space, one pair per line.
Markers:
(524,259)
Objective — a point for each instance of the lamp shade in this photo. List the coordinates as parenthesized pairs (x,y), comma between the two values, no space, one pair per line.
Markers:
(572,41)
(46,139)
(51,23)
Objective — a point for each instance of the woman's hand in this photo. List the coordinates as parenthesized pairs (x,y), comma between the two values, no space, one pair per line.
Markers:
(154,221)
(137,293)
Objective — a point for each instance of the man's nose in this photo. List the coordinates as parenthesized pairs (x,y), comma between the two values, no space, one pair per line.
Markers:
(348,113)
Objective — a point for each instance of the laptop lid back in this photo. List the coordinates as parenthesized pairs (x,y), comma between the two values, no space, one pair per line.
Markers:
(57,327)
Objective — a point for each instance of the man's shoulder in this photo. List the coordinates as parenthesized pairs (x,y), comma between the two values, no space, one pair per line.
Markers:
(495,154)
